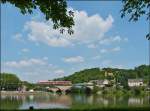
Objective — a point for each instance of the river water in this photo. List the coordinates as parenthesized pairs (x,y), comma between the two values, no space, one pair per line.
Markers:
(44,101)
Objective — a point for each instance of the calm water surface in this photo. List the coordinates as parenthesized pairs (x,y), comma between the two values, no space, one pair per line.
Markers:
(44,101)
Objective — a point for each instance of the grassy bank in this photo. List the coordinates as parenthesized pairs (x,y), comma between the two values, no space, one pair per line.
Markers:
(96,109)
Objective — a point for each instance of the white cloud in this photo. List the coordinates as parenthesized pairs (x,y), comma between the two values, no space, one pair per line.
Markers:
(118,66)
(87,29)
(126,39)
(44,33)
(116,38)
(115,49)
(96,57)
(59,72)
(109,63)
(106,63)
(92,46)
(25,50)
(76,59)
(32,69)
(25,63)
(110,40)
(18,37)
(103,51)
(45,58)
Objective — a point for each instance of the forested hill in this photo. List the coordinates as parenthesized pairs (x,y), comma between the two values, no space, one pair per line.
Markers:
(142,71)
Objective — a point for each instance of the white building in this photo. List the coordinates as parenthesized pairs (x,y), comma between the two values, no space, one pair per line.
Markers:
(135,82)
(100,83)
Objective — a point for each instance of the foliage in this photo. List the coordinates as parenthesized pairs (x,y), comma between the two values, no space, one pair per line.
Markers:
(95,89)
(29,85)
(75,90)
(9,81)
(143,69)
(85,75)
(121,75)
(56,10)
(136,8)
(9,78)
(136,91)
(80,90)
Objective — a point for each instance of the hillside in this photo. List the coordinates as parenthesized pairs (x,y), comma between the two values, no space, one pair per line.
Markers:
(85,75)
(122,75)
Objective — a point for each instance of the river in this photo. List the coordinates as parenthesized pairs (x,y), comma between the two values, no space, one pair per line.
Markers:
(47,100)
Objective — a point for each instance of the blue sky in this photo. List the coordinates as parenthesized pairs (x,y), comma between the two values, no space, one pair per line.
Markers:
(34,51)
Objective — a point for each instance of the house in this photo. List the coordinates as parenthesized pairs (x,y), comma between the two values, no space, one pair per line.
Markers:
(135,82)
(100,83)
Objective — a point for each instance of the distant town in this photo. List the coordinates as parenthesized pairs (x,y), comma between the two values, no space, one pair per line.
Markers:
(99,81)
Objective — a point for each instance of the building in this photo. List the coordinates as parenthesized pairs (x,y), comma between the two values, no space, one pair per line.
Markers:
(54,83)
(135,82)
(100,83)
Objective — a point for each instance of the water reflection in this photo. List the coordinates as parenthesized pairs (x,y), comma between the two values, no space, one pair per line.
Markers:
(66,101)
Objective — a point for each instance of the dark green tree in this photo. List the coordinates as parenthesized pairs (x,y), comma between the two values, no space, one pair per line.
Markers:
(56,10)
(9,81)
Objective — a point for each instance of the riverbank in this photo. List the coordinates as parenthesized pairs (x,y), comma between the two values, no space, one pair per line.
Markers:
(22,93)
(94,109)
(104,92)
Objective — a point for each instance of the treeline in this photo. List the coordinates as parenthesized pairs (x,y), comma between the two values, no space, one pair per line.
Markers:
(9,81)
(121,75)
(12,82)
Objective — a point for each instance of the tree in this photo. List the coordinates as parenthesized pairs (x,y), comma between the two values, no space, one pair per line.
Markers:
(56,10)
(9,81)
(136,8)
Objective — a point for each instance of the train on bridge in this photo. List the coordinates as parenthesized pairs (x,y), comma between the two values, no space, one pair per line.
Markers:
(63,86)
(64,83)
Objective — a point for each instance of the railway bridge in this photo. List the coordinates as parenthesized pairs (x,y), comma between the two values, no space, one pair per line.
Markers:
(63,86)
(56,86)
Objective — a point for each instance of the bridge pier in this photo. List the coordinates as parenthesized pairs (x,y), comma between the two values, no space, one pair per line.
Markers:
(60,89)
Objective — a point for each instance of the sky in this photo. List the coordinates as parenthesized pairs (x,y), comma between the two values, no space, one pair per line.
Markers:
(33,50)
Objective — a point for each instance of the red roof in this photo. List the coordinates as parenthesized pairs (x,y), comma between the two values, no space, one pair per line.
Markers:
(55,82)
